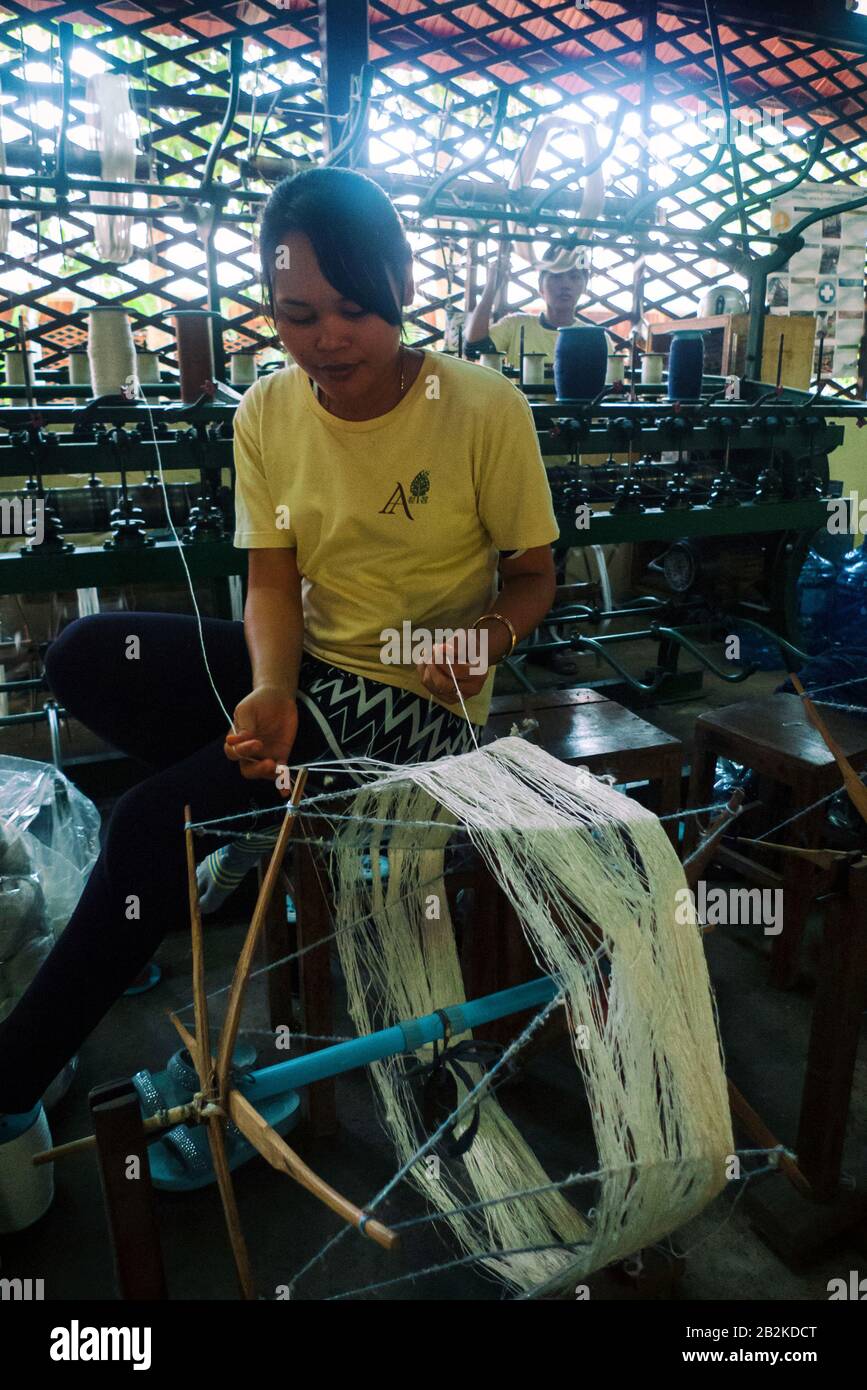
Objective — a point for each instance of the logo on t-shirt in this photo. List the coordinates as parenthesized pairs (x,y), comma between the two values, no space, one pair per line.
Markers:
(419,489)
(420,486)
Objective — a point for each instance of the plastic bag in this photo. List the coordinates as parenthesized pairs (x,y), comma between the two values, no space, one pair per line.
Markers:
(49,843)
(730,777)
(49,836)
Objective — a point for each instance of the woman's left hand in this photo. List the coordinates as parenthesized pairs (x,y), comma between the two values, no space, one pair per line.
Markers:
(440,677)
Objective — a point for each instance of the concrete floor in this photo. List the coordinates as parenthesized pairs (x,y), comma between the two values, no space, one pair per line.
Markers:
(764,1034)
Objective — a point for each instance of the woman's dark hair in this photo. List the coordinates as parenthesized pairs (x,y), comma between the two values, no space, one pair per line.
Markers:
(355,231)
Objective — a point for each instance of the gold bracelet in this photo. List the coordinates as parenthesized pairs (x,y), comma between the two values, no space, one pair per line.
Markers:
(501,619)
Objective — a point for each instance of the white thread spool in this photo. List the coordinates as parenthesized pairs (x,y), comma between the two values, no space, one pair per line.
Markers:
(26,1192)
(15,367)
(651,369)
(494,360)
(79,368)
(242,369)
(533,368)
(148,367)
(616,367)
(110,349)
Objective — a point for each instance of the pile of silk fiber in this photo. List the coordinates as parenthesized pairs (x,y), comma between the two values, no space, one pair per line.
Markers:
(583,865)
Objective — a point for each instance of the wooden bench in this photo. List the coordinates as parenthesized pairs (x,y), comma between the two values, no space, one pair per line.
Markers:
(773,736)
(585,729)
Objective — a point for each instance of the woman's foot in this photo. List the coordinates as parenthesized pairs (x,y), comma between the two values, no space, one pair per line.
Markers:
(219,873)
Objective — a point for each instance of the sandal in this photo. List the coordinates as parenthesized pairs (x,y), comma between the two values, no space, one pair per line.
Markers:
(180,1160)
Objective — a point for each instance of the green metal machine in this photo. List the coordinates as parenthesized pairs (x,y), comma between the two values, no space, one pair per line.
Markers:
(709,493)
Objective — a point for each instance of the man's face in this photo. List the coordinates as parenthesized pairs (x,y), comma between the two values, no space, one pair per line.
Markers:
(344,349)
(562,289)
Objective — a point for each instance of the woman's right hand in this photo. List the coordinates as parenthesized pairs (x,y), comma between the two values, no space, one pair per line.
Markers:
(267,723)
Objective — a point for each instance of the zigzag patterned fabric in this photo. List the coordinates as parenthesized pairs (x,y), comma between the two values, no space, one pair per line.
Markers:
(354,717)
(363,717)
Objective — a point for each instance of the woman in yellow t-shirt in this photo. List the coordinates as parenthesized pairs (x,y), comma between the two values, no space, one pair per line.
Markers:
(380,488)
(381,491)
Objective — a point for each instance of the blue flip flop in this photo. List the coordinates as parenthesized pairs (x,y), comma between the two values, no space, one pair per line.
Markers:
(147,979)
(180,1161)
(366,873)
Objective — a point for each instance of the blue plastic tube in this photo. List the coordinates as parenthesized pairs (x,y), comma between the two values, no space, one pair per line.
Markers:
(403,1037)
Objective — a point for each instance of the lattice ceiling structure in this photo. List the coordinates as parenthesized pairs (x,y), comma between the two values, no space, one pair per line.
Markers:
(438,67)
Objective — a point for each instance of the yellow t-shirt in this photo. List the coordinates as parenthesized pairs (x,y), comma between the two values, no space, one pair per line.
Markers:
(397,519)
(507,336)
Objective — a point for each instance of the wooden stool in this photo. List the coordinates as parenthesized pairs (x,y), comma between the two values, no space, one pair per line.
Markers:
(799,1226)
(584,728)
(774,737)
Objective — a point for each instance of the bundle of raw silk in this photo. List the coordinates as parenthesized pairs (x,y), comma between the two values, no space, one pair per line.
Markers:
(591,875)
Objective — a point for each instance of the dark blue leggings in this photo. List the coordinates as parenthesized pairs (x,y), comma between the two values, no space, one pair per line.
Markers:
(160,708)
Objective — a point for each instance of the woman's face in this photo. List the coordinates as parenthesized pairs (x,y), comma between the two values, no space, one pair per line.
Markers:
(348,352)
(562,289)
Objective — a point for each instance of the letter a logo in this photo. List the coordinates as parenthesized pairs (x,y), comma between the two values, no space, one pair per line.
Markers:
(397,499)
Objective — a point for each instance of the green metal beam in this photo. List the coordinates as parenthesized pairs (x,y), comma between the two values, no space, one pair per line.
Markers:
(823,20)
(90,566)
(747,518)
(345,45)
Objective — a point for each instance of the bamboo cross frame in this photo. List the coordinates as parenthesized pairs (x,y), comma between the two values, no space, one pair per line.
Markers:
(229,1034)
(215,1078)
(218,1100)
(274,1149)
(200,1051)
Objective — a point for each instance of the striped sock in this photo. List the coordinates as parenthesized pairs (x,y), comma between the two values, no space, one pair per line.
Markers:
(219,873)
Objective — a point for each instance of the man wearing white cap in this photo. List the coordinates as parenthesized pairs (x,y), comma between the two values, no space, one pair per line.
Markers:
(562,281)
